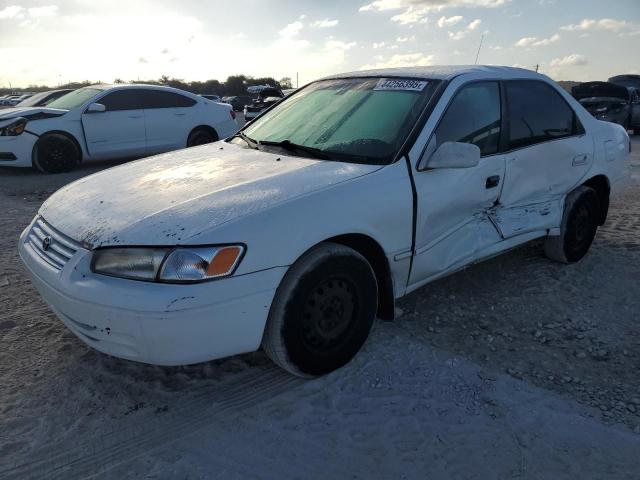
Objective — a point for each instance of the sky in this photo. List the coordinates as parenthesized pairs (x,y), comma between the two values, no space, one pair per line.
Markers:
(57,41)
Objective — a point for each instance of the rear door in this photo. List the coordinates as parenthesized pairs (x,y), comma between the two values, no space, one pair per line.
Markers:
(168,119)
(547,155)
(119,130)
(452,223)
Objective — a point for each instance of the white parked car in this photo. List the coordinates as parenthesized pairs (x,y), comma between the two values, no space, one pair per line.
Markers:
(297,232)
(109,122)
(21,98)
(9,100)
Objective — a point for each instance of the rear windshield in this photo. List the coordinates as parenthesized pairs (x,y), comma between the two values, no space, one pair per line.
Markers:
(74,99)
(364,120)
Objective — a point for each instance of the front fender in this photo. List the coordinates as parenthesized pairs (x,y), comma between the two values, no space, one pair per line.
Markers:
(378,205)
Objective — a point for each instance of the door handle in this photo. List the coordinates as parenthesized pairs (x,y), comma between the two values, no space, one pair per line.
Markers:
(135,116)
(179,114)
(493,181)
(579,160)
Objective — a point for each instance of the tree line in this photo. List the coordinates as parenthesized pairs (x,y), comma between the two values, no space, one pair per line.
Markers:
(233,85)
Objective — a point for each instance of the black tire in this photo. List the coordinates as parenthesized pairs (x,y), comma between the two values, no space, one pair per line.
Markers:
(322,312)
(55,153)
(201,136)
(578,229)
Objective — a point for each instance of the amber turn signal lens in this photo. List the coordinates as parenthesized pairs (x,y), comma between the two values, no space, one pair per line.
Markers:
(224,261)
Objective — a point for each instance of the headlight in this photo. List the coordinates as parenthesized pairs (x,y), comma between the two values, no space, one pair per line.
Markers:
(169,265)
(15,128)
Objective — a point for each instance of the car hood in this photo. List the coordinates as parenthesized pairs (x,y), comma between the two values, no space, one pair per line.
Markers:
(599,89)
(30,113)
(166,199)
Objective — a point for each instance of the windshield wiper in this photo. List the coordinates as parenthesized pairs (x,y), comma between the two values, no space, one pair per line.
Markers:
(250,141)
(289,145)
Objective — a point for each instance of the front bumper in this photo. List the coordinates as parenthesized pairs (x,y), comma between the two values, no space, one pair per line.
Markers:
(153,323)
(16,151)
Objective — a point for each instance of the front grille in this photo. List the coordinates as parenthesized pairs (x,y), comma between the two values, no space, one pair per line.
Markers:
(54,247)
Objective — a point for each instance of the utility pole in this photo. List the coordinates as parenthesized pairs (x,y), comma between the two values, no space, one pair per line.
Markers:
(537,67)
(479,47)
(297,85)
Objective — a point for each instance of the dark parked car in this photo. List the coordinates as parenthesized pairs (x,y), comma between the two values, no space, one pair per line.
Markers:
(626,80)
(632,82)
(238,102)
(610,102)
(267,96)
(43,99)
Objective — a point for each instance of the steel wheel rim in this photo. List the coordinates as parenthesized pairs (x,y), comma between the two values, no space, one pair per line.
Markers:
(329,314)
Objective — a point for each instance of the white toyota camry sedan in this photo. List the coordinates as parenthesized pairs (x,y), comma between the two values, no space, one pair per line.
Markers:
(109,122)
(310,222)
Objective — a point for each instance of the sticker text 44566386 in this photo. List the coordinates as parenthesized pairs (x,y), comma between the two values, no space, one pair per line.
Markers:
(400,84)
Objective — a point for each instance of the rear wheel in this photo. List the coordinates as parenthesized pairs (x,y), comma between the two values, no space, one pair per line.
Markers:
(578,229)
(323,311)
(55,153)
(201,136)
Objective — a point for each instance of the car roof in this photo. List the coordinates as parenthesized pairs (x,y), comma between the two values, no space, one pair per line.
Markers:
(443,72)
(126,86)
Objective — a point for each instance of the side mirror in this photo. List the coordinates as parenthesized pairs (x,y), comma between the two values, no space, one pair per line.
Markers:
(96,108)
(454,155)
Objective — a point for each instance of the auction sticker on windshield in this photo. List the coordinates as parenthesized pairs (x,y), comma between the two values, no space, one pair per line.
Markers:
(396,84)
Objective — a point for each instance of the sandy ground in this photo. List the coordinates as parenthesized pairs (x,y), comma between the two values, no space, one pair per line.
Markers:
(514,368)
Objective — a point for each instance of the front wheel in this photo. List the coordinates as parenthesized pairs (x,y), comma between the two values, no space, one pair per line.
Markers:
(55,153)
(323,311)
(578,229)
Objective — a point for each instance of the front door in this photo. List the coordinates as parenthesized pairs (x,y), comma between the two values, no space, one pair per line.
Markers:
(548,155)
(453,226)
(119,131)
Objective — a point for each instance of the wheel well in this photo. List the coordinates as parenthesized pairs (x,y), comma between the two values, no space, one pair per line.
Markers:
(600,184)
(373,252)
(65,134)
(206,128)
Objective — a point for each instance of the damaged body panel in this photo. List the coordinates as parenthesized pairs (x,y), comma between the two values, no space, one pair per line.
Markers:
(406,175)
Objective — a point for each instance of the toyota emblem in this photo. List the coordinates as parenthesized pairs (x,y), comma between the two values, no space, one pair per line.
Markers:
(46,243)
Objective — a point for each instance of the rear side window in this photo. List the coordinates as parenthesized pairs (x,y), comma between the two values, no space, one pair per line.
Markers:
(161,99)
(537,113)
(129,99)
(473,117)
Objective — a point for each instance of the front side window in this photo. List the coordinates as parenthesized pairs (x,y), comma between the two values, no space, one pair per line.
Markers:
(129,99)
(473,117)
(75,98)
(162,99)
(362,120)
(537,113)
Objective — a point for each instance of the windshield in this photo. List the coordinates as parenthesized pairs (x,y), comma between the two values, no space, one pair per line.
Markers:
(357,119)
(74,99)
